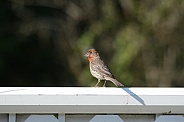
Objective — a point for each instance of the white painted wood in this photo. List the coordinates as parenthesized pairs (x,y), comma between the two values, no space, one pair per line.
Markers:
(170,118)
(90,91)
(106,118)
(12,117)
(91,100)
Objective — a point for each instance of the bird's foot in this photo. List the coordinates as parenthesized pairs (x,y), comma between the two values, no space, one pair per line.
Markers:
(104,83)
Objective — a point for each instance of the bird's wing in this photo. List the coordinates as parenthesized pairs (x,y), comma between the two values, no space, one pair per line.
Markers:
(102,68)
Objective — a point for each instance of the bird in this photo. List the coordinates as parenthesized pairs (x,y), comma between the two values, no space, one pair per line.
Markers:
(99,69)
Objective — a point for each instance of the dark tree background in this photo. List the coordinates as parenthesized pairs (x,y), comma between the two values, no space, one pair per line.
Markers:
(42,42)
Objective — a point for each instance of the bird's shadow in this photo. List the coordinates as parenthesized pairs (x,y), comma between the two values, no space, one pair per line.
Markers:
(139,99)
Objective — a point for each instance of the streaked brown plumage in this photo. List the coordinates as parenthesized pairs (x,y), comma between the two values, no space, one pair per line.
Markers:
(99,70)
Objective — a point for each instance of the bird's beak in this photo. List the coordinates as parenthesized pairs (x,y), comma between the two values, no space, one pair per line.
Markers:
(86,55)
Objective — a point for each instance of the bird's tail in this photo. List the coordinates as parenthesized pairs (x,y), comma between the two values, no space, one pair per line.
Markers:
(117,83)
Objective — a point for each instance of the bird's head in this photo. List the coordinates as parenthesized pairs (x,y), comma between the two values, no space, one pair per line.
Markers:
(92,54)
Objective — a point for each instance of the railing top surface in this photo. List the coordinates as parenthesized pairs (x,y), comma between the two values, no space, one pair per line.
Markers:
(90,91)
(91,100)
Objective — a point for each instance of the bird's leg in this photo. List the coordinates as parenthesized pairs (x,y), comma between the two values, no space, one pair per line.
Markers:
(97,83)
(104,83)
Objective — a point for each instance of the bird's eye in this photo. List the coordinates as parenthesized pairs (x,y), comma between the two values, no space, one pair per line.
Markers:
(90,52)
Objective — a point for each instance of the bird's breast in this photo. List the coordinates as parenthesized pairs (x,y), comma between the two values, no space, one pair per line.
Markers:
(90,59)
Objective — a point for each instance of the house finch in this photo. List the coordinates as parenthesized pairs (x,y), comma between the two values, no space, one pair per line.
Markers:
(98,68)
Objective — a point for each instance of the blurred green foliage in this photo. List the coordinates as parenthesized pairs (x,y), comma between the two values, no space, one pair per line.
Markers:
(43,42)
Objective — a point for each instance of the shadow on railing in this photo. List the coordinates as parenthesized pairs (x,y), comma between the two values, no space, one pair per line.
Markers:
(12,90)
(139,99)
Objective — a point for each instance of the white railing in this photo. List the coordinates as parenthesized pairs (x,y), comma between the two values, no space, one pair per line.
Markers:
(86,102)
